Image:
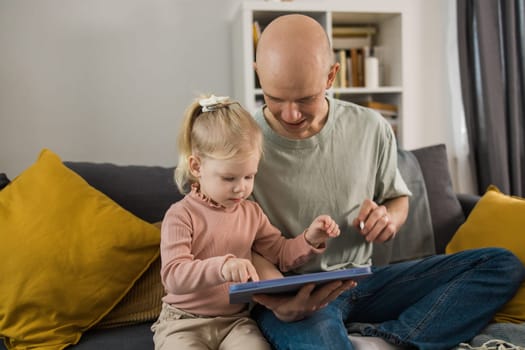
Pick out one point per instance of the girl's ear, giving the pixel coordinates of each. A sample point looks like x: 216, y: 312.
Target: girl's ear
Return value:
x: 195, y: 166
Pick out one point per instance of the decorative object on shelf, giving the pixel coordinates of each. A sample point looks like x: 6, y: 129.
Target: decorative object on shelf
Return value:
x: 371, y: 71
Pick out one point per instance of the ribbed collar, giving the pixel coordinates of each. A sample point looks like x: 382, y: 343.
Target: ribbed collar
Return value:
x: 207, y: 201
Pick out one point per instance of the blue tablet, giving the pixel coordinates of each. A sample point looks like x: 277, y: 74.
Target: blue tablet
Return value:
x: 242, y: 292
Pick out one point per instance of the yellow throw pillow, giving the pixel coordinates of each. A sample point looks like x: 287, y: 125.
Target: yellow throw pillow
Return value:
x: 69, y: 255
x: 142, y: 303
x: 497, y: 220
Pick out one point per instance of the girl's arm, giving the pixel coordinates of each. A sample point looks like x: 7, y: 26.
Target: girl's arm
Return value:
x: 181, y: 272
x: 265, y: 269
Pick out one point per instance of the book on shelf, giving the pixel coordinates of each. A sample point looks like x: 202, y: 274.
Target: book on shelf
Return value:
x: 256, y: 33
x: 357, y: 59
x: 342, y: 73
x: 348, y: 69
x: 387, y: 110
x: 351, y: 42
x: 353, y: 31
x: 256, y: 30
x: 379, y: 105
x: 348, y: 73
x: 353, y: 66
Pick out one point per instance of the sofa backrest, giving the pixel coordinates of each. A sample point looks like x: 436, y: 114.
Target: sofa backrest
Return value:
x: 146, y: 191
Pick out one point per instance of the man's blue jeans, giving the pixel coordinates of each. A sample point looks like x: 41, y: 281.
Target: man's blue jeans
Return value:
x: 432, y: 303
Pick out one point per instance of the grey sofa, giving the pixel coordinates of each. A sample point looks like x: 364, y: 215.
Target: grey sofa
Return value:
x: 148, y: 191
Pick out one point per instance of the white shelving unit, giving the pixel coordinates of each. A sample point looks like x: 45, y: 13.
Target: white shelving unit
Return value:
x: 388, y: 22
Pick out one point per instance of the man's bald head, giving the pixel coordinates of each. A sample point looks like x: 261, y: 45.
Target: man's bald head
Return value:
x: 293, y: 40
x: 295, y: 68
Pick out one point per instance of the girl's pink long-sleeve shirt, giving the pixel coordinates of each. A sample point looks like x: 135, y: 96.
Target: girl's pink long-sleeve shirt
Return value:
x: 197, y: 237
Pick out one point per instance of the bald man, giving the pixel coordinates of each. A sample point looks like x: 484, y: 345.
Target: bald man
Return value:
x: 323, y: 155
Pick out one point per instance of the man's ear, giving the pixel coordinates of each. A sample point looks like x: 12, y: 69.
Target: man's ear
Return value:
x: 194, y: 164
x: 255, y: 68
x: 331, y: 75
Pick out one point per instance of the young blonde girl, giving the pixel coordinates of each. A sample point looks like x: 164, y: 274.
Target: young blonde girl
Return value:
x: 207, y: 238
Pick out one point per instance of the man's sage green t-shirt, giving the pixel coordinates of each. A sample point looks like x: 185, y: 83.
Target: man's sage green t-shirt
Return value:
x: 353, y: 158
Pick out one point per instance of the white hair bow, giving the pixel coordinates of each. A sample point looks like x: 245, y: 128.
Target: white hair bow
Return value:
x: 212, y: 103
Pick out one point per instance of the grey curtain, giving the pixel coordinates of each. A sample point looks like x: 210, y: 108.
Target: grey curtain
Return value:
x: 491, y: 39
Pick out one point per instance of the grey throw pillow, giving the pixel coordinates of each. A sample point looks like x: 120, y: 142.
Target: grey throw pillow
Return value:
x: 445, y: 208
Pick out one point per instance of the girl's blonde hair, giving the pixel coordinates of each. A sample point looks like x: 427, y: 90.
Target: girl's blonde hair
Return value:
x: 226, y: 131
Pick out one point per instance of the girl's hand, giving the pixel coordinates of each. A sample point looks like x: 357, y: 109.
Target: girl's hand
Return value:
x: 238, y: 270
x: 322, y: 228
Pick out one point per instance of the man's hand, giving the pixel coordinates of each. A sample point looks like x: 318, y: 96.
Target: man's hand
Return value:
x: 305, y: 302
x: 380, y: 223
x: 238, y: 270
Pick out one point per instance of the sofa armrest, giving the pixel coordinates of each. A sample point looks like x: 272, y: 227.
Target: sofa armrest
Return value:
x: 467, y: 201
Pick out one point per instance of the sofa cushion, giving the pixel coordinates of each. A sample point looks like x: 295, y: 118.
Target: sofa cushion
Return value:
x: 146, y: 191
x: 69, y: 255
x: 496, y: 221
x: 445, y: 209
x: 132, y: 337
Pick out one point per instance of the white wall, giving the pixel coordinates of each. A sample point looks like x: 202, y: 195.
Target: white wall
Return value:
x: 108, y: 80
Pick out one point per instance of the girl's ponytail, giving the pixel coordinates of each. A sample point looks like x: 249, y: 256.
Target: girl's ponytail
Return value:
x: 183, y: 177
